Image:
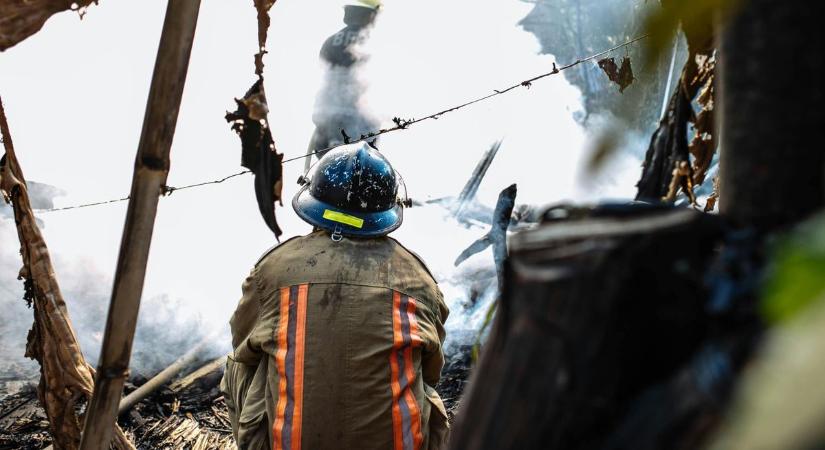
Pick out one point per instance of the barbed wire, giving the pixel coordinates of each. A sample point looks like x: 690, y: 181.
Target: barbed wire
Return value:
x: 400, y: 124
x: 84, y: 205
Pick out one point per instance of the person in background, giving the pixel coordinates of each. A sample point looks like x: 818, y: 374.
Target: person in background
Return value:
x: 338, y: 335
x: 339, y: 104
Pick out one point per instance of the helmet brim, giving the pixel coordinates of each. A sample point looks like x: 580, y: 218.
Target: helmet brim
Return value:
x: 328, y: 217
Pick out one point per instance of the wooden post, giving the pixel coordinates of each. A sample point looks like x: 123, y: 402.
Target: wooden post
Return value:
x: 151, y: 170
x: 772, y: 162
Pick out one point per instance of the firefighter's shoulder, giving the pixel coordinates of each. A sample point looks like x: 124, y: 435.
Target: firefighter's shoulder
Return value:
x: 272, y: 249
x: 416, y: 256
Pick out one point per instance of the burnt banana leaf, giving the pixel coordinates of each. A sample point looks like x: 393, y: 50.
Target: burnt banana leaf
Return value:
x: 258, y: 152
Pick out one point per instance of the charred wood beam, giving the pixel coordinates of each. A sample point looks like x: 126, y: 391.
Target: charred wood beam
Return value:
x: 151, y: 170
x: 667, y: 150
x: 205, y: 370
x: 164, y: 376
x: 159, y: 380
x: 497, y: 236
x: 468, y: 193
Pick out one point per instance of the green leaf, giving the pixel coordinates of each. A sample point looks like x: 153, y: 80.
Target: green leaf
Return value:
x: 488, y: 319
x: 797, y: 276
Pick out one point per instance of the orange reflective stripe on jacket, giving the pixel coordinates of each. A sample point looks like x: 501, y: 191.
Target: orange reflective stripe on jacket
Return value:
x: 406, y: 417
x: 289, y: 361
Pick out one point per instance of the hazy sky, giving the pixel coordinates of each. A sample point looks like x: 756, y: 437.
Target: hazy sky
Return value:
x: 75, y: 96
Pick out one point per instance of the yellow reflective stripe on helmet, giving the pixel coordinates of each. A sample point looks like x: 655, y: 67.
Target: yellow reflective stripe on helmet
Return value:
x: 340, y: 217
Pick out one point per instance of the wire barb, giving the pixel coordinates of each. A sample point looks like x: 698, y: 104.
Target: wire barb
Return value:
x: 400, y: 124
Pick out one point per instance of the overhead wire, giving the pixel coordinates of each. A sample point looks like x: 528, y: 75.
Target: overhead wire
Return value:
x: 400, y: 124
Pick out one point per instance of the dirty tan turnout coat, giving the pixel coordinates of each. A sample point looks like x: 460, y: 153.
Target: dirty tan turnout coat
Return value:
x: 337, y: 345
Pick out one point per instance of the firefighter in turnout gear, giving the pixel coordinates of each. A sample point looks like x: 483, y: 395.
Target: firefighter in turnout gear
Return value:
x: 338, y: 335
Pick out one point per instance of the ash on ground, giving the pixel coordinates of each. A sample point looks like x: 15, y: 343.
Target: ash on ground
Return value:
x: 194, y: 417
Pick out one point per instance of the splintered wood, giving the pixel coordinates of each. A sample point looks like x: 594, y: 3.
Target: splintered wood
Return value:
x: 190, y: 417
x: 184, y: 432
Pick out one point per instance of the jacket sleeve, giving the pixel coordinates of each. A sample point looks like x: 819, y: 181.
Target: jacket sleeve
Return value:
x: 432, y: 360
x: 245, y: 322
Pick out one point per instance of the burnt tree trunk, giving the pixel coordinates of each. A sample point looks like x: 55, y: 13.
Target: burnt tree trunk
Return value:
x: 773, y: 140
x: 600, y: 338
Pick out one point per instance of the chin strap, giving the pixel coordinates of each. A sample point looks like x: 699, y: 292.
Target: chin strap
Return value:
x: 336, y: 235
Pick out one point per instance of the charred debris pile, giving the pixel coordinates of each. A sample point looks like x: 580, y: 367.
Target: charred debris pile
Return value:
x: 186, y: 413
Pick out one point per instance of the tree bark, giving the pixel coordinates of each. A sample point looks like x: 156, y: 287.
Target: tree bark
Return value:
x: 598, y: 316
x: 772, y: 67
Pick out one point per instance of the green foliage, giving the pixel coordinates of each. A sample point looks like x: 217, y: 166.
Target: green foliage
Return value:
x: 488, y: 319
x: 797, y: 276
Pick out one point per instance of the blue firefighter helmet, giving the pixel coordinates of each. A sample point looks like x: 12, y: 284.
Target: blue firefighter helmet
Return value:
x: 352, y: 191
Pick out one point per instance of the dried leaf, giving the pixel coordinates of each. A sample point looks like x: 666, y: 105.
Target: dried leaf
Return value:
x: 66, y: 379
x: 669, y: 143
x: 263, y: 7
x: 625, y: 74
x: 610, y: 68
x: 704, y: 143
x: 714, y: 196
x: 622, y: 76
x: 258, y: 152
x: 20, y: 19
x: 680, y: 172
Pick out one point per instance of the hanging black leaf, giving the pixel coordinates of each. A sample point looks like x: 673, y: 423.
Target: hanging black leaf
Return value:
x: 622, y: 76
x: 258, y: 152
x: 625, y: 74
x: 610, y: 68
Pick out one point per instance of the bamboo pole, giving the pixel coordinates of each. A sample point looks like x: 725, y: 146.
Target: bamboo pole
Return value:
x: 165, y: 375
x: 151, y: 170
x: 204, y: 370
